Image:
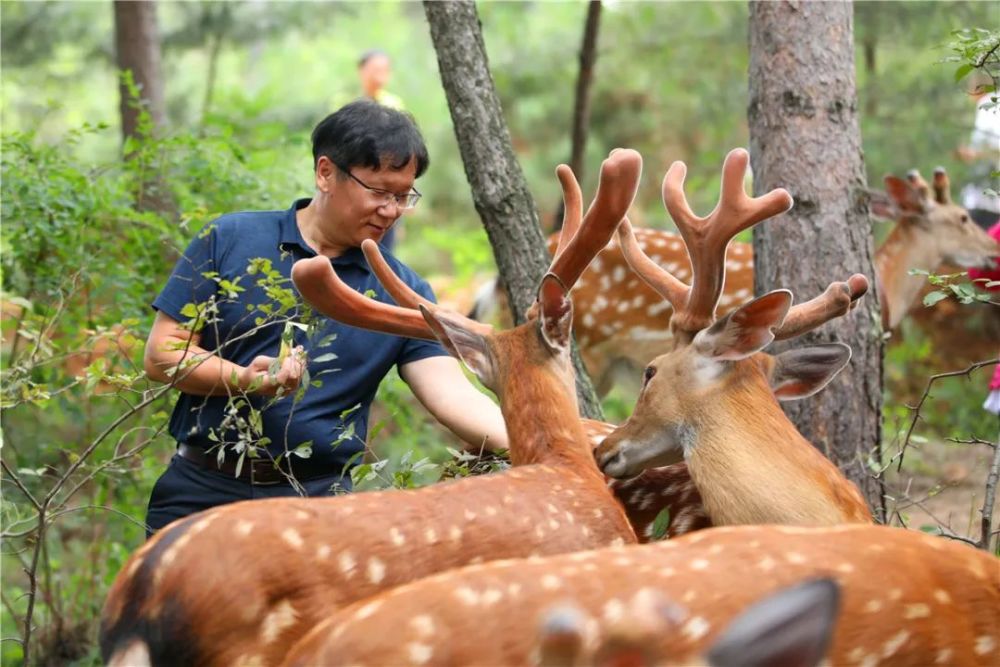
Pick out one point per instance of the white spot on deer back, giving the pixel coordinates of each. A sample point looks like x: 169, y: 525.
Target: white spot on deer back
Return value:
x: 943, y: 657
x: 419, y: 654
x: 430, y: 535
x: 985, y: 644
x: 323, y: 552
x: 467, y: 595
x: 292, y: 538
x: 396, y: 536
x: 894, y: 643
x: 376, y: 570
x: 367, y: 610
x: 696, y: 628
x: 274, y: 623
x: 699, y: 564
x: 942, y: 596
x: 918, y: 610
x: 551, y: 582
x: 243, y: 527
x: 873, y: 606
x: 423, y: 624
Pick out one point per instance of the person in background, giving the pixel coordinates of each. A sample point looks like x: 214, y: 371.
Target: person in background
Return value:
x: 374, y: 73
x: 983, y: 153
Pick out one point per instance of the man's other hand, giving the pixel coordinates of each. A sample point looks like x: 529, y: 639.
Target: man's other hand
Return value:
x: 265, y: 375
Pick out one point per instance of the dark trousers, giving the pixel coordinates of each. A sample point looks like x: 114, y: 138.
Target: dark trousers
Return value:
x: 186, y: 488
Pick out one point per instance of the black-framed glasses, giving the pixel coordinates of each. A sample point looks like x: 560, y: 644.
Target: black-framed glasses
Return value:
x: 384, y: 197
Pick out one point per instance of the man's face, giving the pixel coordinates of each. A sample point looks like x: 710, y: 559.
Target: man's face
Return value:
x: 357, y: 213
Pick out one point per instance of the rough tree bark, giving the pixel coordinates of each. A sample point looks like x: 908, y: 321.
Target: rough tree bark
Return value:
x: 499, y: 191
x: 804, y: 136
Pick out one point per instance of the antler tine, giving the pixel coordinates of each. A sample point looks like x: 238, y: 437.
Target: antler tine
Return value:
x: 654, y: 275
x: 834, y: 302
x: 616, y: 189
x: 707, y: 238
x: 917, y: 181
x: 942, y: 186
x: 572, y: 207
x: 319, y: 285
x: 402, y: 293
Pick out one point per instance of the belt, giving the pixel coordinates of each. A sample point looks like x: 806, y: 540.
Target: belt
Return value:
x: 260, y: 471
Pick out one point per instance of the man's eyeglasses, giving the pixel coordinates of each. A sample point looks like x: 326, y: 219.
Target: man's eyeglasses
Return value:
x: 384, y: 197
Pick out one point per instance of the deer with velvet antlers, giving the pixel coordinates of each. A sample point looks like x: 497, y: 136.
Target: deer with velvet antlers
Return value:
x: 711, y: 401
x: 238, y: 584
x: 621, y: 323
x: 908, y: 599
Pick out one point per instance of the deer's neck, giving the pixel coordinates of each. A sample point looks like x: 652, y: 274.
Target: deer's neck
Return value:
x: 752, y: 466
x: 543, y: 421
x: 904, y: 249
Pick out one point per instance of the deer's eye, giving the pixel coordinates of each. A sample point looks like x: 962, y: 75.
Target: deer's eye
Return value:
x: 965, y: 218
x: 647, y: 375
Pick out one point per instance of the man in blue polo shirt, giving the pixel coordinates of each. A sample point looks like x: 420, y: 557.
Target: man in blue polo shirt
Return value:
x: 245, y: 427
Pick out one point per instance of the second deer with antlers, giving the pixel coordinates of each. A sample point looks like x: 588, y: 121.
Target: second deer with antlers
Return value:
x: 711, y: 401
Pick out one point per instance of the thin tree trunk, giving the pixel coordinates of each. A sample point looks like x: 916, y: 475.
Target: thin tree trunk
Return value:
x: 581, y: 108
x: 804, y: 136
x: 499, y: 191
x: 137, y: 43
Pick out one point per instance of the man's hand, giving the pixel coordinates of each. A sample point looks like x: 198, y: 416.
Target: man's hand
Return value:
x: 265, y: 375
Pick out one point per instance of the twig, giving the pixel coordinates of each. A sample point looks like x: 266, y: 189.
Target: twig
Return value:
x: 17, y: 482
x: 972, y: 441
x: 927, y: 390
x: 991, y: 494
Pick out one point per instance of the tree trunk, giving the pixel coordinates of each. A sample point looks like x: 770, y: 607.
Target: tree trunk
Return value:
x: 137, y: 43
x: 581, y: 108
x: 804, y: 136
x: 499, y: 191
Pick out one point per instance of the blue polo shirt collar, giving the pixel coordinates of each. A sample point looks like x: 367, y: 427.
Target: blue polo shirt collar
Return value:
x: 290, y: 235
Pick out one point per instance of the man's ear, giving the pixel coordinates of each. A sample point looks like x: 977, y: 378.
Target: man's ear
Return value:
x: 467, y: 346
x: 792, y: 628
x: 745, y: 331
x: 556, y: 316
x: 325, y: 171
x: 804, y: 371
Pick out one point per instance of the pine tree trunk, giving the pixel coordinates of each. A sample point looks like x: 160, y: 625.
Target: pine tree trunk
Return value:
x: 804, y: 136
x: 499, y: 190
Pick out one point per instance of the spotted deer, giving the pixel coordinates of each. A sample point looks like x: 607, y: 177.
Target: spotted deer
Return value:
x: 621, y: 323
x: 907, y: 599
x: 711, y: 401
x: 239, y: 584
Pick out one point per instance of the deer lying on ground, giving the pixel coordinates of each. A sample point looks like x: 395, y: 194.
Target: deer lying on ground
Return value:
x: 621, y: 323
x: 908, y: 600
x: 240, y: 583
x: 710, y: 401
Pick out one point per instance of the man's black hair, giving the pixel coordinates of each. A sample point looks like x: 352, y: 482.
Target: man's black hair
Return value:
x: 366, y: 134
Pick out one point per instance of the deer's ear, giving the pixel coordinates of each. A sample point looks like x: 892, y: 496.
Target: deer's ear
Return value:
x: 745, y: 331
x: 906, y: 196
x: 804, y: 371
x: 792, y: 628
x: 556, y: 313
x: 469, y: 347
x: 882, y: 205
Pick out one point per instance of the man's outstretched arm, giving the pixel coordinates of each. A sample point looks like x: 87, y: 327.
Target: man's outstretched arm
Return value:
x: 441, y: 386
